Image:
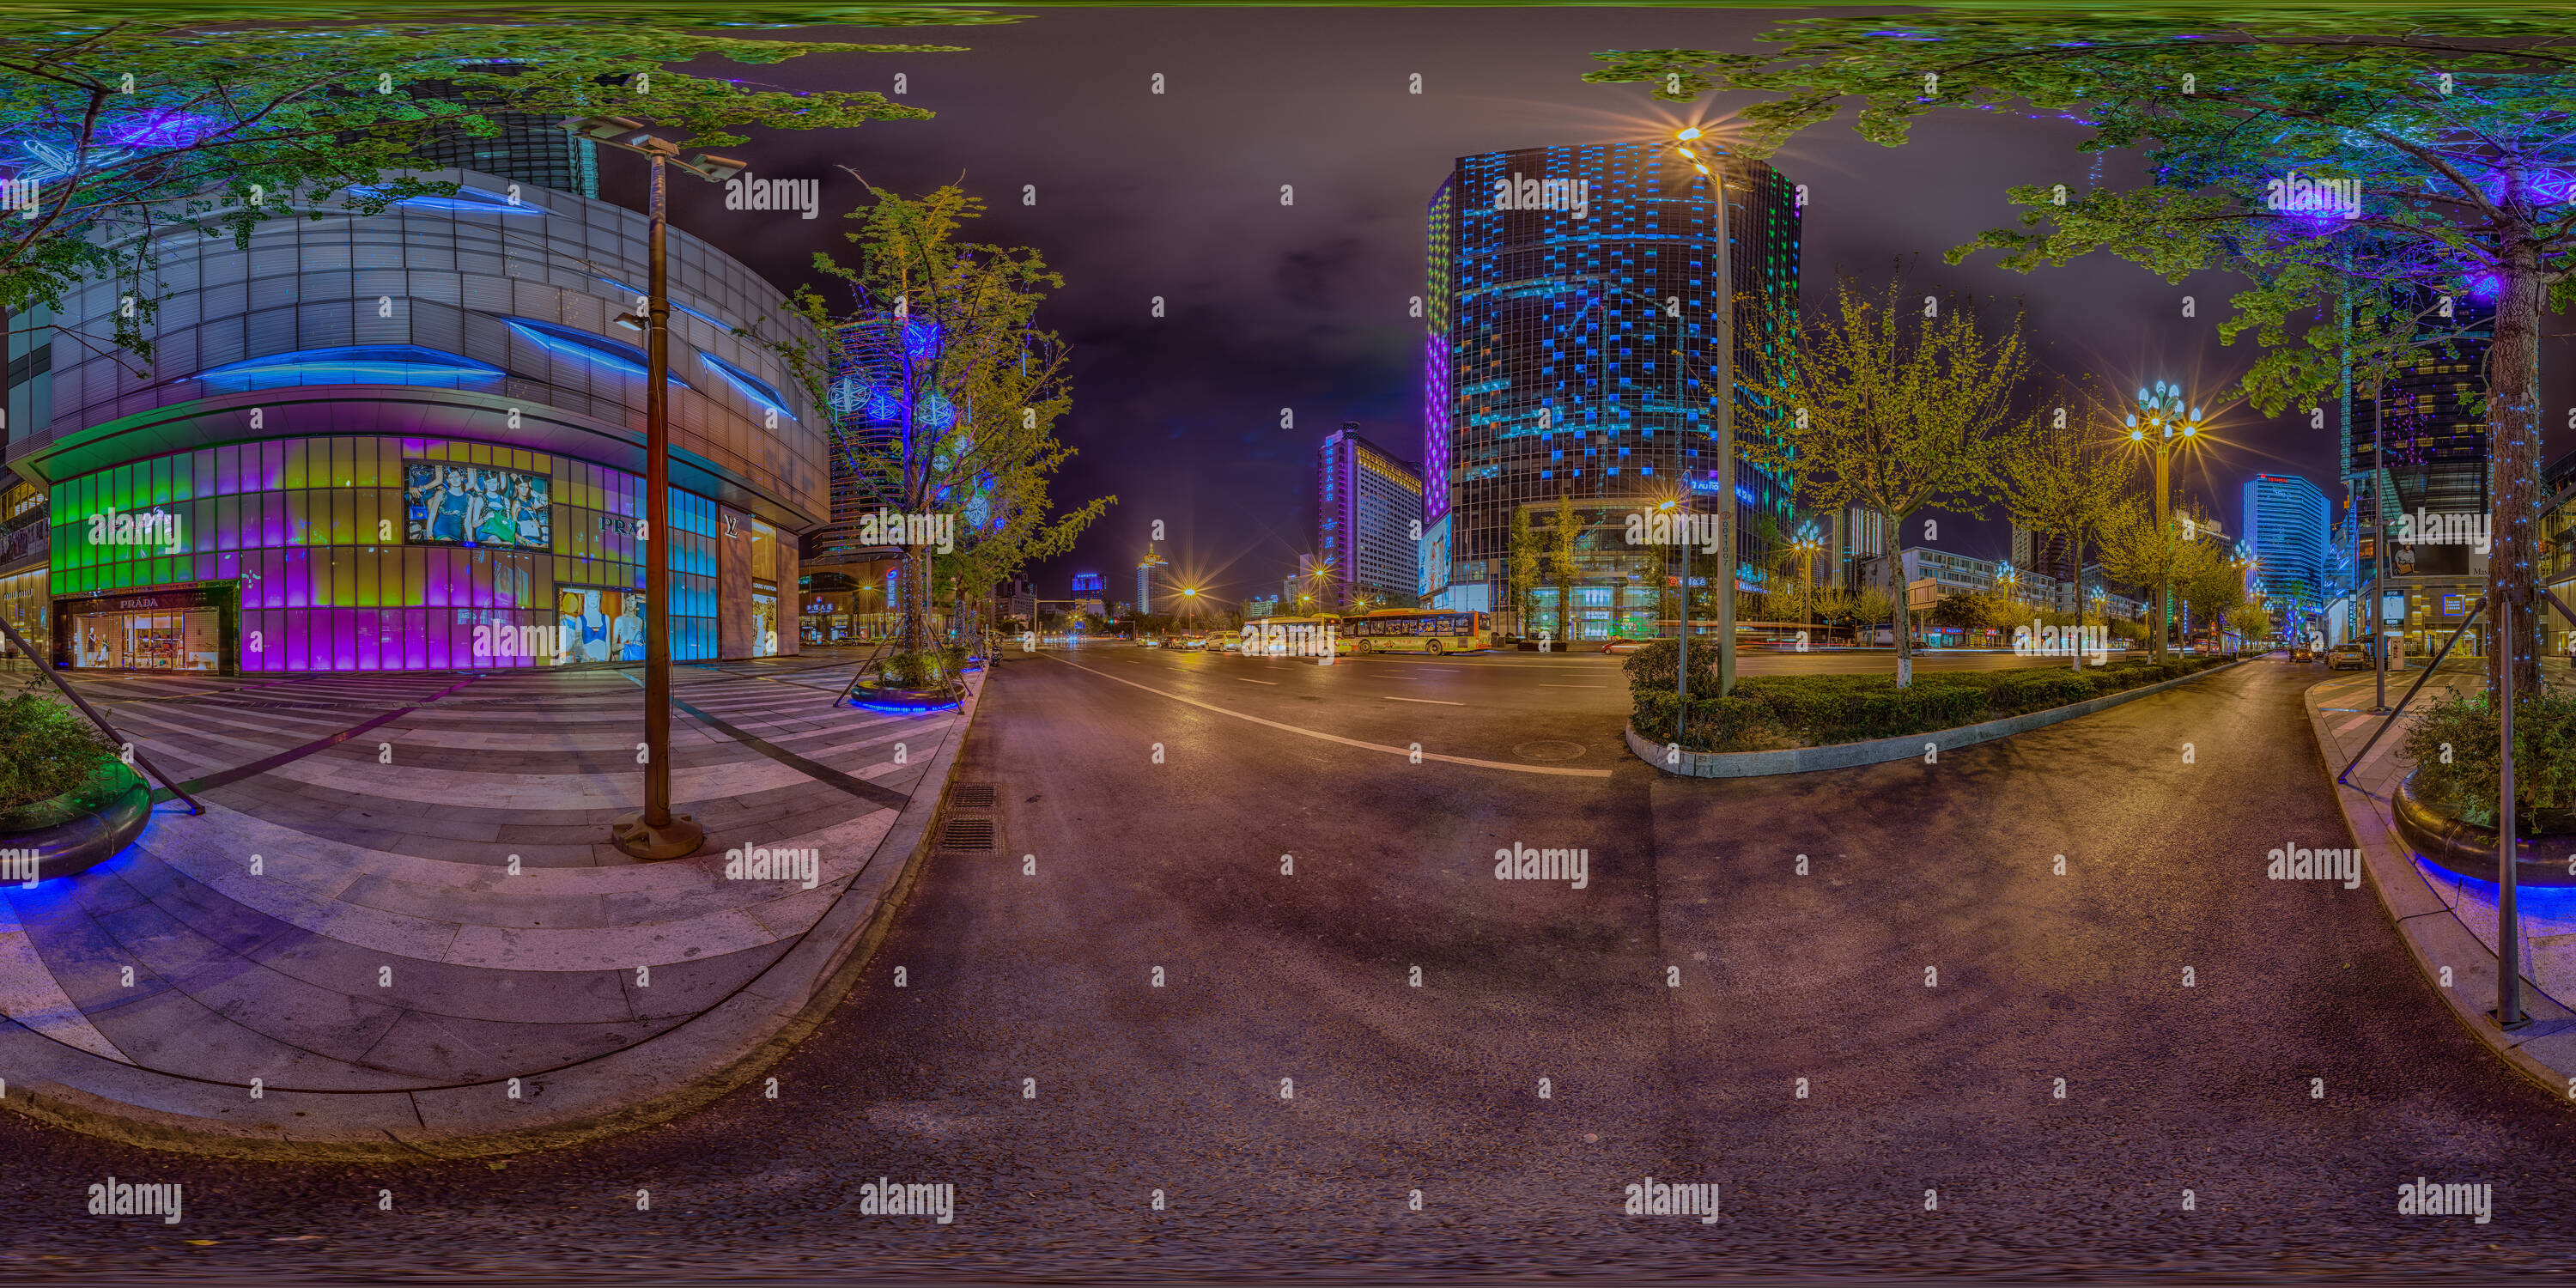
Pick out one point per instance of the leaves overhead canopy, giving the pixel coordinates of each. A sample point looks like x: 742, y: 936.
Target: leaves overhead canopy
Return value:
x: 129, y: 118
x: 2456, y: 133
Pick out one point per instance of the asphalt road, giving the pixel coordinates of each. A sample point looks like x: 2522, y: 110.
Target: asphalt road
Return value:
x: 1287, y: 1087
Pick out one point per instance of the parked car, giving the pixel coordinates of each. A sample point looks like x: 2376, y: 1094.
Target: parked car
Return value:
x: 2347, y: 655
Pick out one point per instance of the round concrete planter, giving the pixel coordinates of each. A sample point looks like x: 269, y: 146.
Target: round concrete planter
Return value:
x: 81, y: 828
x: 2465, y: 849
x: 902, y: 701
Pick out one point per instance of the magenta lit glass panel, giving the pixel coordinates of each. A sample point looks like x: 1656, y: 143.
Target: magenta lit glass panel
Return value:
x: 415, y: 629
x: 295, y: 577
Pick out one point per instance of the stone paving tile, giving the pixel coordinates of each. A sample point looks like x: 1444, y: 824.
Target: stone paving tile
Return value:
x: 366, y: 865
x: 175, y: 1032
x: 439, y: 988
x: 449, y: 1049
x: 682, y: 989
x: 87, y: 961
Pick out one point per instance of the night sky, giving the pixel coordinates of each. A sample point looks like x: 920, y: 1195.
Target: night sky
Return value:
x: 1177, y: 195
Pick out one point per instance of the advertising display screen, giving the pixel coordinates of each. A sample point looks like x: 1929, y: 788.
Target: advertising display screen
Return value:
x: 599, y: 625
x: 445, y: 503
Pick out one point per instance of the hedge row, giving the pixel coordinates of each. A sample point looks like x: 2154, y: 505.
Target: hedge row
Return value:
x: 1772, y: 712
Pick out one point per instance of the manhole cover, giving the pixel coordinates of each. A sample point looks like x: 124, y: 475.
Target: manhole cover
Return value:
x: 967, y: 834
x: 1548, y: 750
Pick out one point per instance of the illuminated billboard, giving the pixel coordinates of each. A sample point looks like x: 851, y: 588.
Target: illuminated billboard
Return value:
x: 598, y: 624
x: 446, y: 503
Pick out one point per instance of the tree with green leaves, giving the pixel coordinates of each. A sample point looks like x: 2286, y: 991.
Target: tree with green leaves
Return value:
x: 2141, y: 552
x: 2421, y: 167
x: 954, y: 395
x: 1563, y: 563
x: 1524, y: 569
x: 2064, y: 481
x: 1896, y: 406
x: 128, y: 119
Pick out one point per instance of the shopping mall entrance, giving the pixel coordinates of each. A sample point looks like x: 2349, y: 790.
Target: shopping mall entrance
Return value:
x: 181, y: 629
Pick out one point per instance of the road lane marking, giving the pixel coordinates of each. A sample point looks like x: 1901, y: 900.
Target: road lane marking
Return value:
x: 1406, y: 752
x: 1433, y: 701
x: 1574, y: 686
x: 1249, y: 680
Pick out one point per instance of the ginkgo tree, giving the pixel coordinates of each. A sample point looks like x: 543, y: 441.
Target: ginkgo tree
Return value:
x: 945, y: 395
x: 1898, y: 403
x: 2333, y: 158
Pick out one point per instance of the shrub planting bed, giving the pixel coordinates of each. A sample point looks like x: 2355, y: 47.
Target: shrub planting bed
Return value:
x: 1777, y: 712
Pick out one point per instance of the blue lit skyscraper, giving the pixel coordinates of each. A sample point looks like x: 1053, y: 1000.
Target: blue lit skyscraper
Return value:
x: 2288, y: 522
x: 1571, y: 350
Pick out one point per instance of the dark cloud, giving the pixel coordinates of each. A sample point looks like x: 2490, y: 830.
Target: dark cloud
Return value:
x: 1305, y: 306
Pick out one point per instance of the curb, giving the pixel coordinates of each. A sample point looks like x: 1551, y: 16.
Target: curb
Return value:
x: 720, y: 1050
x: 1879, y: 751
x: 2544, y: 1052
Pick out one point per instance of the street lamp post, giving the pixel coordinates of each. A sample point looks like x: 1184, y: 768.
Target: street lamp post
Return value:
x: 2166, y: 428
x: 1807, y: 544
x: 654, y: 832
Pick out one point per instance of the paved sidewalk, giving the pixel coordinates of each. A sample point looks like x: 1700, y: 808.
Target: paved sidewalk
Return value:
x: 417, y: 932
x: 2450, y: 924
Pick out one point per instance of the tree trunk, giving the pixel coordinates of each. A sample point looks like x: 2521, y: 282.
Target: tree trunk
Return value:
x: 2075, y: 551
x: 1904, y: 612
x: 2513, y: 443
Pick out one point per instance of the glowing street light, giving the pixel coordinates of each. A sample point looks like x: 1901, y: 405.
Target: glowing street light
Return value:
x: 2163, y: 424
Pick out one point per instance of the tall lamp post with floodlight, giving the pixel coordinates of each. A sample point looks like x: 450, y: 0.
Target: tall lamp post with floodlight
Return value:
x: 654, y: 832
x: 2160, y: 426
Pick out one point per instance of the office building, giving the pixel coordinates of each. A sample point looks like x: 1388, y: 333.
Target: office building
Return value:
x: 1153, y: 580
x: 1573, y: 321
x: 2288, y: 527
x: 1368, y: 506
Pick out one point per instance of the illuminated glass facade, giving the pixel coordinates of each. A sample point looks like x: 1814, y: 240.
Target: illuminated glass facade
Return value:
x: 243, y: 504
x: 1572, y: 331
x: 309, y: 531
x: 1367, y: 507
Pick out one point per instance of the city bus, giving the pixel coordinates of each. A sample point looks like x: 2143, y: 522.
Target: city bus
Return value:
x: 1414, y: 630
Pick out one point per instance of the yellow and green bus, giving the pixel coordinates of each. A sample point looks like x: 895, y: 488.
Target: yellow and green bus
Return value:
x: 1414, y: 630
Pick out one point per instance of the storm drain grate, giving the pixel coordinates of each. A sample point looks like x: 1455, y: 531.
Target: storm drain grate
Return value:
x: 968, y: 834
x: 971, y: 796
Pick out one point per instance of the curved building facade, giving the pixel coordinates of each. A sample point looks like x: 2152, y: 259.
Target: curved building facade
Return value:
x: 415, y: 440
